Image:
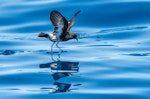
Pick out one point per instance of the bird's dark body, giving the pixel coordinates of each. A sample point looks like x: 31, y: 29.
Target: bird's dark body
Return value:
x: 68, y: 36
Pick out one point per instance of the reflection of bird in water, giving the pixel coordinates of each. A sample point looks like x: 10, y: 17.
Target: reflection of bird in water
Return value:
x: 62, y: 87
x: 61, y: 69
x: 62, y: 28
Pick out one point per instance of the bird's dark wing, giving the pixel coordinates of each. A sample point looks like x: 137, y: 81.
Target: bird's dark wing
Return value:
x: 59, y: 22
x: 71, y: 21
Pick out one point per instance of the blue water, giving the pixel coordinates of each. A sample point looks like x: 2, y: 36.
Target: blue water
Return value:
x: 111, y: 59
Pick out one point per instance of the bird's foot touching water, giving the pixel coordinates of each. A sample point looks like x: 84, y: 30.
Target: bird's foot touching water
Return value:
x: 56, y: 46
x: 55, y: 52
x: 60, y: 49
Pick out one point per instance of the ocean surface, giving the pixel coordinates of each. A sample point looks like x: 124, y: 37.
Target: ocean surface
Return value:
x: 111, y: 59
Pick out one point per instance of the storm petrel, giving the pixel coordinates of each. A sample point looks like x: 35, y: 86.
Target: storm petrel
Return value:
x: 61, y: 28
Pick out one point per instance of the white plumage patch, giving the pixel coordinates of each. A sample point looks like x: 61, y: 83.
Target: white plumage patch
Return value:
x: 52, y: 37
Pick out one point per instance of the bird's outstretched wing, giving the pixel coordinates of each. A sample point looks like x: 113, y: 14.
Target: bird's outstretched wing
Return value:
x: 71, y: 21
x: 59, y: 22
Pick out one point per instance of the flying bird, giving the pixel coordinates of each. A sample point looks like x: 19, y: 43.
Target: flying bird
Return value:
x: 61, y: 29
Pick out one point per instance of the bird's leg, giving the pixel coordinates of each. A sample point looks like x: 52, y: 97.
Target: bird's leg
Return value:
x: 52, y: 47
x: 59, y: 55
x: 52, y: 57
x: 58, y: 46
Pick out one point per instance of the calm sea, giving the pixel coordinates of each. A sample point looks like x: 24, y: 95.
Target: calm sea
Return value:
x: 111, y: 59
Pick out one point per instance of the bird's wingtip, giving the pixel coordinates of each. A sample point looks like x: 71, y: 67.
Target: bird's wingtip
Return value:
x: 77, y: 12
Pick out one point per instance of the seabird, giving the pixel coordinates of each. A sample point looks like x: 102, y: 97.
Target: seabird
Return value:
x: 61, y: 28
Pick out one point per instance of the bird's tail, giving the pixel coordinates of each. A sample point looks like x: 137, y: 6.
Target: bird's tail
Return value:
x: 43, y: 35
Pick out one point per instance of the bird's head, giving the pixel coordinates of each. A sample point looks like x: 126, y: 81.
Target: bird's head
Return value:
x: 74, y: 36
